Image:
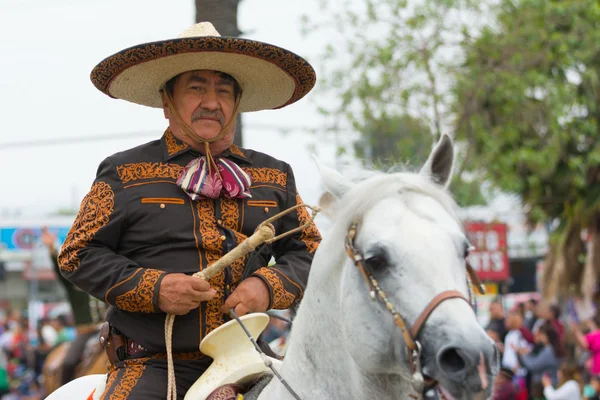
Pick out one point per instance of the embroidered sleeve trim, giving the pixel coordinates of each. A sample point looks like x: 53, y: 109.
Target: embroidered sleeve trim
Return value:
x: 267, y: 175
x: 280, y: 297
x: 94, y: 213
x: 147, y: 170
x: 141, y: 298
x: 310, y: 235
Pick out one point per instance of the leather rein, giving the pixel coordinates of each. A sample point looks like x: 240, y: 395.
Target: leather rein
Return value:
x: 413, y: 346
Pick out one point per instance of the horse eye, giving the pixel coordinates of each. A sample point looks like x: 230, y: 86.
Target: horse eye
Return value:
x: 375, y: 262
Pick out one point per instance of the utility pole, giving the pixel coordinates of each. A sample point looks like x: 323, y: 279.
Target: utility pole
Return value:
x: 223, y: 15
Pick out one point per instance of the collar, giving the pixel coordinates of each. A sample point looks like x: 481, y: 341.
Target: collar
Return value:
x: 173, y: 147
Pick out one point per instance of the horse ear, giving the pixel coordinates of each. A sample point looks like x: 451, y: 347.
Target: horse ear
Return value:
x: 334, y: 182
x: 440, y: 162
x: 327, y: 204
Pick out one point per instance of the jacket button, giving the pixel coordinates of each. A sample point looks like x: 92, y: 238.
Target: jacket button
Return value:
x: 266, y: 209
x: 223, y: 237
x: 220, y: 222
x: 162, y: 205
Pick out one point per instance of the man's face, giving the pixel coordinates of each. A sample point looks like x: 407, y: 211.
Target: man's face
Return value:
x: 205, y: 101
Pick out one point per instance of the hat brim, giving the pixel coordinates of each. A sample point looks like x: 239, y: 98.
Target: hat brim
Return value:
x: 270, y: 77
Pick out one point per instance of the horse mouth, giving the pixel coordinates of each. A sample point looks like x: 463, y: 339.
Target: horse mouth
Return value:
x: 433, y: 384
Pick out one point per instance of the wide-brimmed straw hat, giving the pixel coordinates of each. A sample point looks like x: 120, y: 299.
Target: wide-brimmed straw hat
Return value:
x: 270, y: 77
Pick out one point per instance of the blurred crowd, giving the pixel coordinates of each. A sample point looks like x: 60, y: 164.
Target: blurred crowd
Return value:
x: 23, y: 352
x: 543, y: 354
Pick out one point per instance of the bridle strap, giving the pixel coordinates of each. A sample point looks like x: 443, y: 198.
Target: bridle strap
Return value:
x: 436, y: 301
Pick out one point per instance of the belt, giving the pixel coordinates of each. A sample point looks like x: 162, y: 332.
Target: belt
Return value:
x: 118, y: 347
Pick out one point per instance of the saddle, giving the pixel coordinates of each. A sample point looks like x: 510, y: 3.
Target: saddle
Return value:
x: 236, y: 366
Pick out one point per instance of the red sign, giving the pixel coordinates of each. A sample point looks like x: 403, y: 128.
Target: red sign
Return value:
x: 490, y: 257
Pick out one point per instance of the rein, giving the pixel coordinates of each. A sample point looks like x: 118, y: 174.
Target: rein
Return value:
x: 413, y: 346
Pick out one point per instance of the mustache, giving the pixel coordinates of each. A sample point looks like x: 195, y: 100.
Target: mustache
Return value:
x: 201, y: 113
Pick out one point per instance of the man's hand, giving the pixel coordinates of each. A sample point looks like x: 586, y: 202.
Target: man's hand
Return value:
x: 252, y: 295
x: 180, y: 293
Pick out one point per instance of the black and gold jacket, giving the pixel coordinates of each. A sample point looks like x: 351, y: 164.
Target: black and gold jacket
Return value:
x: 136, y: 225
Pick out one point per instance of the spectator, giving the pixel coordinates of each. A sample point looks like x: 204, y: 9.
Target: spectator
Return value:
x: 4, y: 382
x: 589, y: 342
x: 497, y: 319
x: 592, y: 391
x: 544, y: 361
x: 504, y: 388
x: 569, y: 386
x: 530, y: 314
x: 514, y: 340
x: 556, y: 323
x: 495, y: 336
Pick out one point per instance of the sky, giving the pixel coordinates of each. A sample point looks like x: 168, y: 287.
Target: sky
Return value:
x: 47, y: 50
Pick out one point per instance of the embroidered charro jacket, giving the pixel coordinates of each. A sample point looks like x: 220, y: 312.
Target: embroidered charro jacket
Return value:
x: 136, y: 225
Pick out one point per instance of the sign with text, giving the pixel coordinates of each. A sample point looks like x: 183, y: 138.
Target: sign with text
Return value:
x: 26, y: 239
x: 490, y: 257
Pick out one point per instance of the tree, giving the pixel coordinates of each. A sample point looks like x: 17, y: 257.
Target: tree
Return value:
x: 528, y: 101
x: 223, y: 15
x: 389, y: 81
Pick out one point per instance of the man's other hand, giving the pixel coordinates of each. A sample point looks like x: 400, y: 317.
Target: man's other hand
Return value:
x: 252, y: 295
x: 180, y: 293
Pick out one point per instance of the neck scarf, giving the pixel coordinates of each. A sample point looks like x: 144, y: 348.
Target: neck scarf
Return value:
x: 202, y: 178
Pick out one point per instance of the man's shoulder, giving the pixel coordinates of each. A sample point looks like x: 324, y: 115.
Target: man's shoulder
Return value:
x: 150, y: 151
x: 264, y: 160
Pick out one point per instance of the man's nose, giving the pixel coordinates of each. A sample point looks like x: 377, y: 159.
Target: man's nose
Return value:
x: 210, y: 100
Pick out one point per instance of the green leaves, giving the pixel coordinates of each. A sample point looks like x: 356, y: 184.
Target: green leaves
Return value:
x: 528, y: 95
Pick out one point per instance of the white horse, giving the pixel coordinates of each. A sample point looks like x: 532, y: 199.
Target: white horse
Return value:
x: 407, y: 245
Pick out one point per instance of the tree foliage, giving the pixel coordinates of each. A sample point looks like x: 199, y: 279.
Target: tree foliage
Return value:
x: 528, y: 102
x: 389, y: 72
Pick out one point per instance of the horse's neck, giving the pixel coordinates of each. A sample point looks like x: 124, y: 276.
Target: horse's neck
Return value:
x: 316, y: 364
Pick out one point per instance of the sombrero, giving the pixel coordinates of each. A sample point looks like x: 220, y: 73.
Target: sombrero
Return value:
x: 270, y: 77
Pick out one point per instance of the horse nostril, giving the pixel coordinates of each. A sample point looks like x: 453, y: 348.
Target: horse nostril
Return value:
x: 451, y: 362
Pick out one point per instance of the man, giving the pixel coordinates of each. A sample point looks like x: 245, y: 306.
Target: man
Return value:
x: 86, y: 326
x: 514, y: 340
x: 497, y: 319
x: 162, y: 211
x: 530, y: 313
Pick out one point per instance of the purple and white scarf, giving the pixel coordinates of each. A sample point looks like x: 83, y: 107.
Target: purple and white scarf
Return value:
x: 199, y: 180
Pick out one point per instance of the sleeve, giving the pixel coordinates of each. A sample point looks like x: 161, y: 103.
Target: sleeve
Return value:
x: 592, y: 340
x: 538, y: 362
x: 566, y: 392
x: 293, y: 254
x: 89, y: 259
x: 527, y: 335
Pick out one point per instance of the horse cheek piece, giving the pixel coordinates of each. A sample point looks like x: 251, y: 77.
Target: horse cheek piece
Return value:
x: 413, y: 346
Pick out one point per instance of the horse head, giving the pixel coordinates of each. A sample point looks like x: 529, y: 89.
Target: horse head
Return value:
x: 407, y: 247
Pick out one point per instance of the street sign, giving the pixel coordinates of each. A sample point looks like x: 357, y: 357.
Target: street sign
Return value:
x: 490, y: 257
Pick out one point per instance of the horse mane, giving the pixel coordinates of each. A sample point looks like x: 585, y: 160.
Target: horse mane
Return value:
x: 360, y: 199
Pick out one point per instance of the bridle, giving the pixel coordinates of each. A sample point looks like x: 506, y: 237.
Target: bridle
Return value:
x: 413, y: 346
